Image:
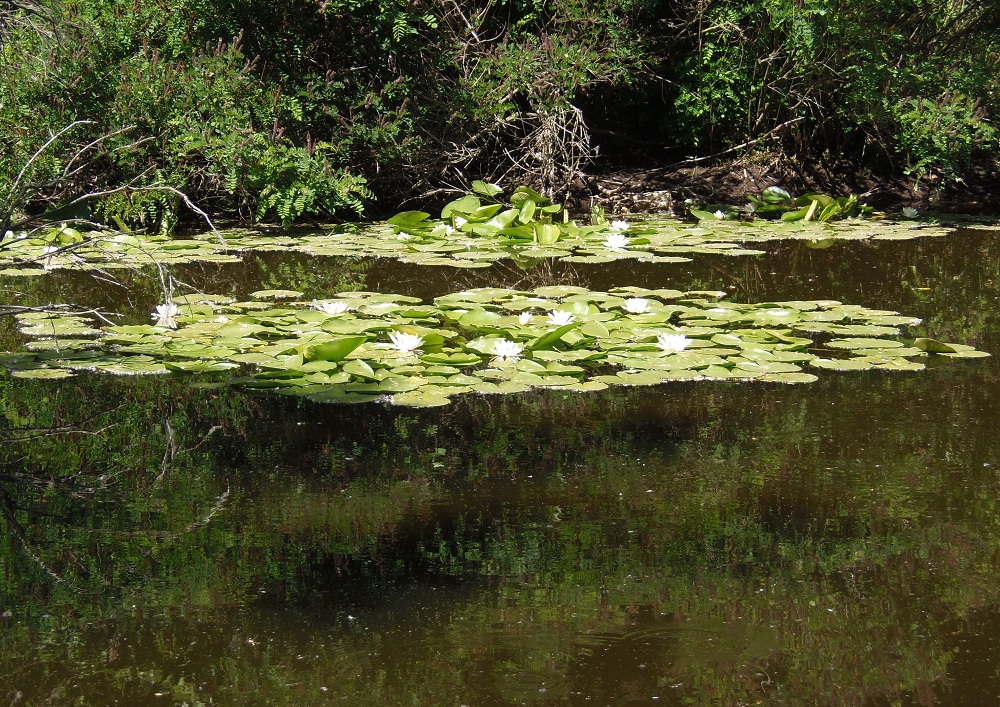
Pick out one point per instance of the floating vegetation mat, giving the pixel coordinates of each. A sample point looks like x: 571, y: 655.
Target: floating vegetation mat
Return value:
x: 363, y: 346
x: 434, y: 243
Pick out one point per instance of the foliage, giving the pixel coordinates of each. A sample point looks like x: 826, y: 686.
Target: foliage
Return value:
x: 899, y: 81
x: 776, y: 203
x: 363, y: 346
x: 313, y: 109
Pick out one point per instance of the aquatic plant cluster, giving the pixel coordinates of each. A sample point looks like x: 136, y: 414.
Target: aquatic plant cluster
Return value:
x: 428, y: 242
x: 365, y: 346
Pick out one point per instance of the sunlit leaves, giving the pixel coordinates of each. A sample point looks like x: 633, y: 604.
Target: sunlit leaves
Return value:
x: 491, y: 340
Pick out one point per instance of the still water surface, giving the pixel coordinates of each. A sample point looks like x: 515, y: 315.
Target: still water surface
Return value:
x: 693, y: 543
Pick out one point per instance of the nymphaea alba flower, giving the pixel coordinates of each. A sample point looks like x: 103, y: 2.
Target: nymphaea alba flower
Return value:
x: 524, y: 317
x: 720, y: 214
x: 165, y: 315
x: 636, y: 305
x: 616, y: 242
x: 405, y: 343
x: 507, y: 350
x: 910, y: 212
x: 332, y: 307
x: 560, y: 317
x: 619, y: 225
x: 672, y: 342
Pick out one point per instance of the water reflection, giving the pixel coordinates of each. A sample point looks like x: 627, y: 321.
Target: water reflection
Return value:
x: 694, y: 543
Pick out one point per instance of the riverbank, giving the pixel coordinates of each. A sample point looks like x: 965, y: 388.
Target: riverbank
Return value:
x: 664, y: 189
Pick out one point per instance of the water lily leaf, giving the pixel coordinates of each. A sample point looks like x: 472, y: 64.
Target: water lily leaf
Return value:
x: 500, y: 387
x: 408, y: 219
x: 419, y: 398
x: 573, y: 355
x: 276, y: 294
x: 932, y: 346
x: 762, y: 368
x: 200, y: 366
x: 526, y: 211
x: 23, y: 272
x: 842, y: 364
x: 479, y: 318
x: 898, y: 364
x: 132, y: 366
x: 857, y: 344
x: 332, y: 349
x: 529, y: 366
x: 547, y: 233
x: 964, y: 352
x: 460, y: 359
x: 488, y: 190
x: 557, y: 291
x: 337, y: 394
x: 789, y: 378
x: 586, y: 386
x: 548, y: 339
x: 357, y: 367
x: 236, y: 329
x: 42, y: 373
x: 464, y: 205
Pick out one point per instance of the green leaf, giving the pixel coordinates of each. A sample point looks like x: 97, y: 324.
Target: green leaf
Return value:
x: 547, y: 340
x: 546, y: 233
x: 462, y: 206
x: 484, y: 189
x: 333, y: 349
x: 527, y: 211
x: 776, y: 195
x: 932, y: 346
x: 408, y: 219
x: 357, y: 367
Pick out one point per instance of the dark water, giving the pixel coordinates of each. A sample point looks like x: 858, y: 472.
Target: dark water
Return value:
x: 709, y: 543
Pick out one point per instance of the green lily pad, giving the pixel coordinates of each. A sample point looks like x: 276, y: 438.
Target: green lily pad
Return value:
x: 420, y: 399
x: 276, y: 294
x: 932, y: 346
x: 842, y: 364
x: 42, y: 373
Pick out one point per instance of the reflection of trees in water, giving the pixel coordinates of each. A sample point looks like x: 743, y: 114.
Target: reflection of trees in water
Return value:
x: 800, y: 529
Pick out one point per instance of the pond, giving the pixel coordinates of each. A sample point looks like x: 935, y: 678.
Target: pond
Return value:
x: 171, y: 540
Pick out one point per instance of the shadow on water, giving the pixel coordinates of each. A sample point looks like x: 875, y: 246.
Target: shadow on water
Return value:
x: 707, y: 543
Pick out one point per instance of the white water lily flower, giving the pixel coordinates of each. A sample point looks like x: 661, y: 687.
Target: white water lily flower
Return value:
x: 720, y: 214
x: 405, y: 343
x: 636, y: 305
x: 560, y: 317
x: 50, y: 249
x: 443, y: 229
x: 616, y: 242
x: 524, y: 317
x: 619, y: 225
x: 507, y: 350
x: 332, y: 307
x: 165, y: 315
x: 672, y: 342
x: 910, y: 212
